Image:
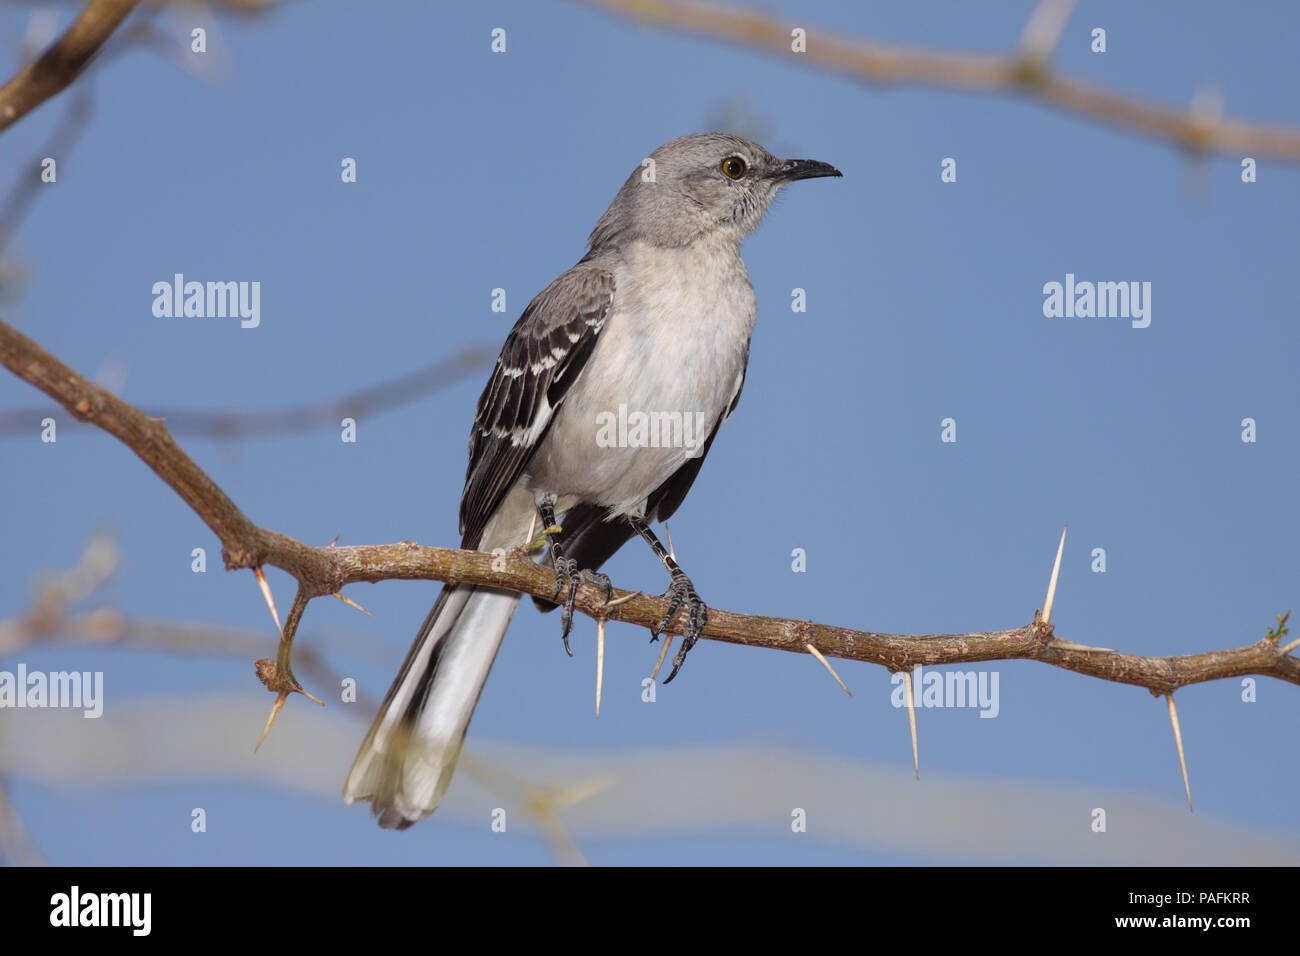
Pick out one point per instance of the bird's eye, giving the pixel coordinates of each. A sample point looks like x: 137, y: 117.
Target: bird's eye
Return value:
x: 733, y: 167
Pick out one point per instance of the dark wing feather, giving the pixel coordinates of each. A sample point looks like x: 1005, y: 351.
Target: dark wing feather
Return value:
x: 544, y: 353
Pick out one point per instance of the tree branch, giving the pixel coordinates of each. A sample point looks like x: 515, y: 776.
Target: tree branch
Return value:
x: 326, y: 570
x: 278, y: 422
x: 1025, y: 71
x: 51, y: 72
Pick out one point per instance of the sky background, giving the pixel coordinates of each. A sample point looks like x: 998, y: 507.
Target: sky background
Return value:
x: 924, y: 301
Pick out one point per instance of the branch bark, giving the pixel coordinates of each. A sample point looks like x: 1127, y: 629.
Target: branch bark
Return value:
x: 326, y: 570
x: 52, y: 72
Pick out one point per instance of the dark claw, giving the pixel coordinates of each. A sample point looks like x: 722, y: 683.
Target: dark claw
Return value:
x: 567, y: 569
x: 682, y: 592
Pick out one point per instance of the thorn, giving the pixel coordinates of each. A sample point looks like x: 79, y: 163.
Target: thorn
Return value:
x: 668, y: 533
x: 600, y: 661
x: 1292, y: 646
x: 1074, y: 646
x: 270, y: 601
x: 1043, y: 30
x: 335, y: 541
x: 663, y: 652
x: 532, y: 525
x: 1056, y: 573
x: 624, y: 599
x: 280, y: 698
x: 1178, y: 739
x: 827, y: 664
x: 911, y: 720
x: 351, y: 603
x: 275, y: 712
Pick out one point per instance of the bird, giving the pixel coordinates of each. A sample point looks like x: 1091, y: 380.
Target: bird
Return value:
x: 654, y: 320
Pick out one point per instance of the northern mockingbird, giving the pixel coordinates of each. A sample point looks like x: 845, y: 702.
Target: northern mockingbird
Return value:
x: 603, y: 403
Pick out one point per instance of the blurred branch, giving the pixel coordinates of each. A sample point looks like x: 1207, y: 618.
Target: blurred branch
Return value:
x: 326, y: 570
x: 277, y: 423
x: 19, y: 200
x: 1026, y: 72
x: 16, y: 846
x: 48, y: 623
x: 59, y: 65
x: 243, y: 7
x: 636, y: 792
x: 110, y: 627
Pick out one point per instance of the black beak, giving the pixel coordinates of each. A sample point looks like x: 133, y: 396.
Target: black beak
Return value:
x: 793, y: 169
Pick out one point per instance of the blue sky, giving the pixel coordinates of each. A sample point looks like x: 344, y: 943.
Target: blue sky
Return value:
x: 479, y: 171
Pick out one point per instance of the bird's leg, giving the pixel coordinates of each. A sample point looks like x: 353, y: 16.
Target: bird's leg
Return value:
x: 568, y: 573
x: 680, y: 592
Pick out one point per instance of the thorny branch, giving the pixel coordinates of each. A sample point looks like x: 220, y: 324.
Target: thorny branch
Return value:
x: 326, y: 570
x: 321, y: 571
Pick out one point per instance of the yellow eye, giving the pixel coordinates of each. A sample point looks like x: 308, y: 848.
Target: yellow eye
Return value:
x: 733, y: 167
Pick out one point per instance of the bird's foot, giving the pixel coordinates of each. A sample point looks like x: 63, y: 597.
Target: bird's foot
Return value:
x: 681, y: 592
x: 568, y: 575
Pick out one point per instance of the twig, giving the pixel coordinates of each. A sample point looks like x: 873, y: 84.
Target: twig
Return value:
x: 51, y: 72
x: 1025, y: 72
x: 276, y: 423
x: 20, y: 199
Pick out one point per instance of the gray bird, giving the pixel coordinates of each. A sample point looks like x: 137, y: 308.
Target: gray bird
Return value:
x: 652, y: 325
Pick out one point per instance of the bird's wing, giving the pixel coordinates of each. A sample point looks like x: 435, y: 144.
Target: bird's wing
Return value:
x: 541, y: 358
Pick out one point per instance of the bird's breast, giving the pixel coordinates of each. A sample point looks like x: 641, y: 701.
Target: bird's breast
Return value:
x: 664, y: 371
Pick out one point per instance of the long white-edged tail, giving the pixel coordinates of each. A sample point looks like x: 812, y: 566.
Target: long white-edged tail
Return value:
x: 407, y: 759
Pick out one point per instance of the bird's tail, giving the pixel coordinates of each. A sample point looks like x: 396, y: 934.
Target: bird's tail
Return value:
x: 406, y: 761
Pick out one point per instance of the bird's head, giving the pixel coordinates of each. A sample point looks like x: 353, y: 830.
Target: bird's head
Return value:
x: 697, y: 185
